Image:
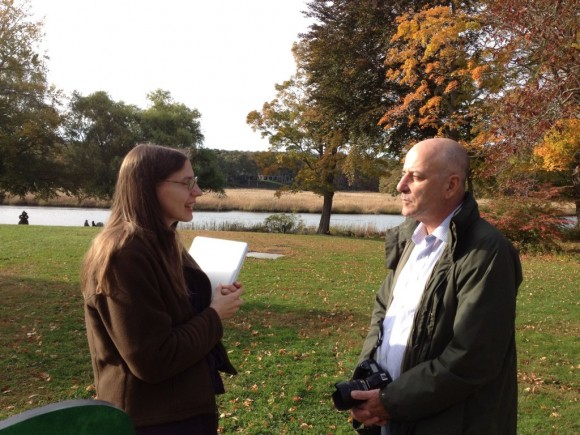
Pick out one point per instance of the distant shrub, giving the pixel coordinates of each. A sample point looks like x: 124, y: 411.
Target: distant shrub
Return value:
x: 532, y: 225
x: 360, y: 231
x: 283, y: 223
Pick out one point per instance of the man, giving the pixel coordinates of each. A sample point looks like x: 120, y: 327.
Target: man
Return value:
x: 447, y: 310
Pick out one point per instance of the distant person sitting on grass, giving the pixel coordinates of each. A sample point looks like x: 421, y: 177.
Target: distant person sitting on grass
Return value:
x: 154, y: 331
x: 23, y: 218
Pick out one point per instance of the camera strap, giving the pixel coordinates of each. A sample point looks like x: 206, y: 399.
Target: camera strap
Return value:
x: 379, y: 339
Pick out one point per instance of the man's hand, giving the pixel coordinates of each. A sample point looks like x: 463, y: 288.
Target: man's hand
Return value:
x: 371, y: 412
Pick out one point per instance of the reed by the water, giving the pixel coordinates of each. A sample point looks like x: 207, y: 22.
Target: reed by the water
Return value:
x: 264, y: 200
x: 255, y: 200
x: 261, y: 200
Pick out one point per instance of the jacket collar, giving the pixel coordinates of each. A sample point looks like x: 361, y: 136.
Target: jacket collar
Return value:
x: 397, y: 238
x: 463, y: 219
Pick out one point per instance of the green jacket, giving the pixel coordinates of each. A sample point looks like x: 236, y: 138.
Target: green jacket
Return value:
x: 459, y: 370
x: 148, y: 347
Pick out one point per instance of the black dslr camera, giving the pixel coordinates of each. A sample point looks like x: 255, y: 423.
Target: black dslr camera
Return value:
x: 367, y: 376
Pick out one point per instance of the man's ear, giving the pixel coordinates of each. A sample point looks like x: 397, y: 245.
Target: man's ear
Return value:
x: 453, y: 185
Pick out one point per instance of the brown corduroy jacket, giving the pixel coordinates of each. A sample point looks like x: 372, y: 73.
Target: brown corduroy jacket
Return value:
x: 148, y: 347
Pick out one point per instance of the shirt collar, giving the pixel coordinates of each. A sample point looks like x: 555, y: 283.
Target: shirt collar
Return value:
x: 441, y: 232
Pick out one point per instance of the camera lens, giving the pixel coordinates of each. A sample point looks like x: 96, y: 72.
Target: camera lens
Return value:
x: 341, y: 396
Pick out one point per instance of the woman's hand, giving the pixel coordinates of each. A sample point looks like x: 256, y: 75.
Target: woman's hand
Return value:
x: 227, y: 300
x: 227, y: 289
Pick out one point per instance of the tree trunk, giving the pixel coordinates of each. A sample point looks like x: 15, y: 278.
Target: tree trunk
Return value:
x: 324, y: 225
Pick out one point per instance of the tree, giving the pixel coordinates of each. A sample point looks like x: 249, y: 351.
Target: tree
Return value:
x: 439, y: 56
x: 534, y: 48
x: 29, y: 144
x: 296, y: 128
x: 325, y: 117
x: 206, y: 166
x: 271, y: 165
x: 99, y: 133
x: 536, y: 52
x: 435, y: 58
x: 169, y: 123
x: 560, y: 152
x: 238, y: 168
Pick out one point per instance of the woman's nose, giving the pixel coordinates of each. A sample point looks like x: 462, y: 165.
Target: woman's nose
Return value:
x: 196, y: 191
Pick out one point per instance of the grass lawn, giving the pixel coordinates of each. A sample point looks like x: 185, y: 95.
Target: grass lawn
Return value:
x: 298, y: 333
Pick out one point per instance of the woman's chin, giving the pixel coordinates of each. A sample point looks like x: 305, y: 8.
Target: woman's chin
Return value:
x: 187, y: 217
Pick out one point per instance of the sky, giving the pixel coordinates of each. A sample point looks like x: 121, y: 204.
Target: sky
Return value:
x: 221, y: 57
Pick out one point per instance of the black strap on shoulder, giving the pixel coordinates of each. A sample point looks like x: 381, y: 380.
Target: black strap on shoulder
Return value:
x: 379, y: 340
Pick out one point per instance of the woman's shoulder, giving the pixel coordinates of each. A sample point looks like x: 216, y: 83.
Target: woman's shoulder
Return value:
x: 136, y: 249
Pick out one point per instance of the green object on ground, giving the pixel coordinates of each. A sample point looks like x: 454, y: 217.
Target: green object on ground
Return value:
x: 72, y: 417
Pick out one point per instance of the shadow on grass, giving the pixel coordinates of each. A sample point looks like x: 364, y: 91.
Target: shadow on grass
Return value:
x: 45, y: 358
x: 283, y: 329
x: 43, y: 350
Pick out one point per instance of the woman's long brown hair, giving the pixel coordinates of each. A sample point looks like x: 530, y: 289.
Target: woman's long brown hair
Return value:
x: 135, y: 212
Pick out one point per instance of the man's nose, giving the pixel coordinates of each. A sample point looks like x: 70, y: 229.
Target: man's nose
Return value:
x: 402, y: 185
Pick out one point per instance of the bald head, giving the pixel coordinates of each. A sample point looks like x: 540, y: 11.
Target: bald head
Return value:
x: 433, y: 180
x: 447, y: 155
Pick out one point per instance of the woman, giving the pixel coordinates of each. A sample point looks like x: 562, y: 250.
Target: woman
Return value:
x: 153, y: 330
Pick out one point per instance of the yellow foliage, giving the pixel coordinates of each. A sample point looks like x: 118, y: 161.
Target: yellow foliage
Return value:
x: 429, y: 55
x: 477, y: 73
x: 432, y: 105
x: 431, y: 66
x: 561, y: 145
x: 451, y: 86
x: 439, y: 80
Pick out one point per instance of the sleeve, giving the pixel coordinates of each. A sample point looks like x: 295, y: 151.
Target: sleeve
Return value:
x: 137, y: 319
x: 482, y: 335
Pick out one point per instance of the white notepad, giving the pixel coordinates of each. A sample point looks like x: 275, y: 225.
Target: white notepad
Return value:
x: 220, y: 259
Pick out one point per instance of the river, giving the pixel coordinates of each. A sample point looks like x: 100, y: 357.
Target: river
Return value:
x: 202, y: 220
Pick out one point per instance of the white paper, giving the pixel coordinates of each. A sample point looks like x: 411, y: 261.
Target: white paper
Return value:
x: 220, y: 259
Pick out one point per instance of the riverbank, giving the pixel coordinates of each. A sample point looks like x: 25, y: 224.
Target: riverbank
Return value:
x: 264, y: 200
x: 252, y: 200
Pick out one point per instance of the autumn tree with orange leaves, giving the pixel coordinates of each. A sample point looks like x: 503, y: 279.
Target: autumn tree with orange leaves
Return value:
x: 434, y: 56
x: 502, y: 77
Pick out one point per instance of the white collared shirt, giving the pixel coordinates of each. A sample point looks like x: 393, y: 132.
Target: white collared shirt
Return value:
x: 407, y: 293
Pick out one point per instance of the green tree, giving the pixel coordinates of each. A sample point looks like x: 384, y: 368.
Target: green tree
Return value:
x: 99, y: 133
x: 238, y: 168
x: 169, y: 123
x: 295, y: 127
x: 29, y: 145
x: 205, y: 163
x: 325, y: 117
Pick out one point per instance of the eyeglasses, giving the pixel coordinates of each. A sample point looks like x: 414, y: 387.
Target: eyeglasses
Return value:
x: 190, y: 183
